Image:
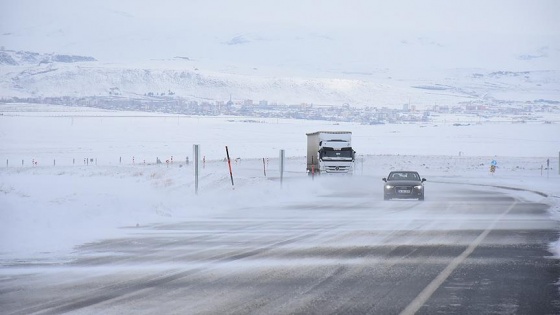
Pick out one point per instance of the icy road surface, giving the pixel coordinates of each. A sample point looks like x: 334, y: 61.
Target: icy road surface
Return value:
x: 465, y: 250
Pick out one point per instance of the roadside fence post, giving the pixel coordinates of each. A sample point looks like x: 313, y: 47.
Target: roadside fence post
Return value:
x: 195, y: 153
x: 282, y: 155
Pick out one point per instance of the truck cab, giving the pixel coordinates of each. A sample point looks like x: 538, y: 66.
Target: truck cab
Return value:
x: 330, y: 152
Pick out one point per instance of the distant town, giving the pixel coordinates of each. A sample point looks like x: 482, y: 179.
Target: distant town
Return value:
x: 370, y: 115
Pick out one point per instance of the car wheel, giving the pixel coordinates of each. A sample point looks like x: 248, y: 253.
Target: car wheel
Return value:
x: 386, y: 198
x: 421, y: 198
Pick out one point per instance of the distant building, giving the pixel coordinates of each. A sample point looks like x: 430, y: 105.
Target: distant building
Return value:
x: 229, y: 103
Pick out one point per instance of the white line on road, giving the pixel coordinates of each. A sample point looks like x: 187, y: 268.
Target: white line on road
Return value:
x: 421, y: 299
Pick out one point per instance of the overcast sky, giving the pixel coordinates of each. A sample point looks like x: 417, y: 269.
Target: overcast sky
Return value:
x: 341, y: 35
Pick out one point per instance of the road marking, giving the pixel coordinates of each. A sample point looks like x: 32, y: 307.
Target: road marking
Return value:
x: 421, y: 299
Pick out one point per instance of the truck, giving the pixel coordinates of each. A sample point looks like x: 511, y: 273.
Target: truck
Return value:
x: 330, y: 152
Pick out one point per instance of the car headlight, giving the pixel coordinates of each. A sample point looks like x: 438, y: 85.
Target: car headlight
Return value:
x: 419, y: 187
x: 388, y: 186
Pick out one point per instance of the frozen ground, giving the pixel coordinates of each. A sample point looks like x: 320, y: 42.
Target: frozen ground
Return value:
x: 86, y: 186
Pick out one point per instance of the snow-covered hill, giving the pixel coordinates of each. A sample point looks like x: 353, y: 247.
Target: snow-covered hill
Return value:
x: 21, y: 58
x: 30, y: 74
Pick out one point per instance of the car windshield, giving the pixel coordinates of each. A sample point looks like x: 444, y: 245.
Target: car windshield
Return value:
x: 404, y: 176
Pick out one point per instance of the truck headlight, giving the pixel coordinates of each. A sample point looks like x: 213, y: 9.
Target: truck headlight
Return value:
x: 389, y: 186
x: 419, y: 187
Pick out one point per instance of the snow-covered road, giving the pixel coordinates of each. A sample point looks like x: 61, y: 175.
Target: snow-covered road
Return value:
x: 336, y: 247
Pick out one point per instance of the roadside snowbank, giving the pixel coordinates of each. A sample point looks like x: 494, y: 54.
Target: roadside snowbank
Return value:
x: 47, y: 211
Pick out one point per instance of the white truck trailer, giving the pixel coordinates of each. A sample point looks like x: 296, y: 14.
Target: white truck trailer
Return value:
x: 330, y: 152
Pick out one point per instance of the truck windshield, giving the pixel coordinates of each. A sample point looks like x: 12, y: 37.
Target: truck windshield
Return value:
x: 333, y: 154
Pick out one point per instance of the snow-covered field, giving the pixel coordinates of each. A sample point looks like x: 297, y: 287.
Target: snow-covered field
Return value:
x: 74, y: 175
